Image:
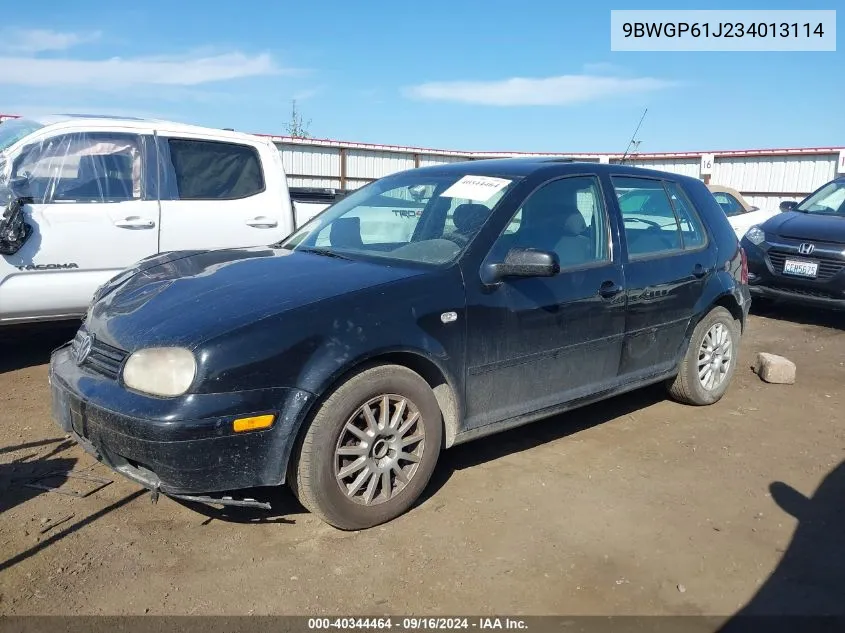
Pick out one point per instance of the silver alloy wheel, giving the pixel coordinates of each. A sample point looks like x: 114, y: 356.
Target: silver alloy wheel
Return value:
x: 715, y: 356
x: 379, y: 449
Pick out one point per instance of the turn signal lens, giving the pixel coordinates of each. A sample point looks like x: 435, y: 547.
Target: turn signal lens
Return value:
x: 253, y: 424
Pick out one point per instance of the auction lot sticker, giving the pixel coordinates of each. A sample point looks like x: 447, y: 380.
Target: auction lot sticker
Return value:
x: 478, y: 188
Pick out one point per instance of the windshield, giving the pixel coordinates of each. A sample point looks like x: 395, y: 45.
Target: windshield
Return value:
x: 415, y: 216
x: 826, y: 201
x: 14, y: 130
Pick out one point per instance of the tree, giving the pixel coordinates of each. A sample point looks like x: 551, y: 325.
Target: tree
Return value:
x: 296, y: 127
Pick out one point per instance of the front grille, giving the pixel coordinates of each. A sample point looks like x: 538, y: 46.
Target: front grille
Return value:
x: 103, y: 359
x: 828, y: 267
x: 808, y: 292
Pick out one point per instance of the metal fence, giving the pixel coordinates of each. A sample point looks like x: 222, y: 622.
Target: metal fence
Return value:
x: 764, y: 177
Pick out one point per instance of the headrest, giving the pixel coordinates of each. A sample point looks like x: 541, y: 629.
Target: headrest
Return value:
x: 556, y: 213
x: 573, y: 222
x: 468, y: 218
x: 120, y: 163
x: 93, y: 166
x: 346, y: 232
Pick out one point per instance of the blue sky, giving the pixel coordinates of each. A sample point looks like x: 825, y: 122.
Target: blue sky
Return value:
x: 445, y: 74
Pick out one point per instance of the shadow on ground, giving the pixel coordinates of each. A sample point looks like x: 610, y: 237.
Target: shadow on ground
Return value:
x: 23, y: 346
x: 794, y: 313
x: 809, y: 580
x: 524, y: 438
x: 17, y: 476
x: 282, y: 502
x: 529, y: 436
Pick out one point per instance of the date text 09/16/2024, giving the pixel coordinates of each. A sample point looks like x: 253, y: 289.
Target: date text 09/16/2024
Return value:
x: 416, y: 623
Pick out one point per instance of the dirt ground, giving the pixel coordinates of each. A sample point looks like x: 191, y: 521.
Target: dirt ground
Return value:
x: 633, y: 506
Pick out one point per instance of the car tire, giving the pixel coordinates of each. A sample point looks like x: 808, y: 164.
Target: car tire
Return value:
x: 347, y: 460
x: 710, y: 360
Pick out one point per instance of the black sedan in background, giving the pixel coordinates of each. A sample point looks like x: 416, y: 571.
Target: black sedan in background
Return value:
x: 799, y: 255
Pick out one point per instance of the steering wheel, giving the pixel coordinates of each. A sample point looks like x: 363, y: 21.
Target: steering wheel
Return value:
x: 651, y: 223
x: 457, y: 238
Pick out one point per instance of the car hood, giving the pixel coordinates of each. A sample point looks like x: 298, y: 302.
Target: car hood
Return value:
x: 807, y: 226
x: 184, y: 298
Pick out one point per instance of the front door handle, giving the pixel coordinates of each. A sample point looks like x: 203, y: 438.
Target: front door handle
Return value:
x: 135, y: 222
x: 609, y: 289
x: 699, y: 271
x: 262, y: 222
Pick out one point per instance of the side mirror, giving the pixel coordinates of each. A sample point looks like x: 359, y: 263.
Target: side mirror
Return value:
x: 788, y: 205
x: 14, y: 230
x: 753, y: 209
x: 524, y: 262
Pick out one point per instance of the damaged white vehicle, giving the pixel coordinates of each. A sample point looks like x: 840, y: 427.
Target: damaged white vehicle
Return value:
x: 83, y: 197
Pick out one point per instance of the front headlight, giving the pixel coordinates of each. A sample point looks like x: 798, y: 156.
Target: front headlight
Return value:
x: 160, y: 371
x: 756, y: 235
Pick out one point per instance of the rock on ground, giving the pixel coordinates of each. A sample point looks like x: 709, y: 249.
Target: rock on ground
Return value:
x: 775, y: 369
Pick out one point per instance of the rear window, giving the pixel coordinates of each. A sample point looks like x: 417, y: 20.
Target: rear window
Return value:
x: 212, y: 170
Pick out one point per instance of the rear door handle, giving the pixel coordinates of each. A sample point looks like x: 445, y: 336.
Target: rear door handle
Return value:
x: 134, y: 222
x: 609, y: 289
x: 262, y: 222
x: 699, y: 271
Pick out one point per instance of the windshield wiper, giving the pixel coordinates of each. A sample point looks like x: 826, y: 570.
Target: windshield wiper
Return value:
x: 322, y: 251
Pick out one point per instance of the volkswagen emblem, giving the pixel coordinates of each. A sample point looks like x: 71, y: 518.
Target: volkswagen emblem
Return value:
x: 82, y: 348
x: 806, y: 248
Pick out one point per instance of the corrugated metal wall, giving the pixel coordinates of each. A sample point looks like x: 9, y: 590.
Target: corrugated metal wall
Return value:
x: 317, y: 167
x: 685, y: 167
x: 362, y: 166
x: 765, y: 181
x: 775, y: 174
x: 427, y: 160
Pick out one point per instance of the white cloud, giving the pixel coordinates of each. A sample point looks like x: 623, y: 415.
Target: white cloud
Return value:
x: 543, y: 91
x: 117, y: 72
x: 601, y: 68
x: 31, y: 41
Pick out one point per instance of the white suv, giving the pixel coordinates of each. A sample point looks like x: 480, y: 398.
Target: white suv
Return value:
x: 101, y: 193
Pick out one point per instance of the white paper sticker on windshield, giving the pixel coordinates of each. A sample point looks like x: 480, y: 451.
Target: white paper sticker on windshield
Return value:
x: 478, y: 188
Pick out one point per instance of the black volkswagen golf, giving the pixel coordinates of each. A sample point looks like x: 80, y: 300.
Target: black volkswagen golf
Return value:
x: 799, y: 255
x: 428, y: 308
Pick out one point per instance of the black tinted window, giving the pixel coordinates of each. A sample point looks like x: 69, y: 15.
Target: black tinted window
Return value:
x: 565, y: 216
x: 729, y: 204
x: 692, y: 231
x: 211, y: 170
x: 650, y: 223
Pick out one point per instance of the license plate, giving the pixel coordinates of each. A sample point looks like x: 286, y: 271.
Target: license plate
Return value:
x: 804, y: 269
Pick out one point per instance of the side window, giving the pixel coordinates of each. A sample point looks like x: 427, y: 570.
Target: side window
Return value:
x: 83, y: 167
x: 213, y: 170
x: 729, y: 204
x: 692, y: 230
x: 650, y: 223
x: 565, y: 216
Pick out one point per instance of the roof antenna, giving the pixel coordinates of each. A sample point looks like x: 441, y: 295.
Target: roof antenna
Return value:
x: 633, y: 141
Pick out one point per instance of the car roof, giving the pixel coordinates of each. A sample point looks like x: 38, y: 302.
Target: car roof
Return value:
x: 525, y: 166
x: 94, y: 121
x: 736, y: 194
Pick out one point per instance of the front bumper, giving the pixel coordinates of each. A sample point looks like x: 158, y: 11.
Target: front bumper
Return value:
x: 179, y: 445
x: 767, y: 280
